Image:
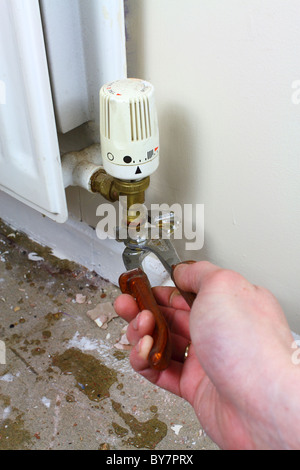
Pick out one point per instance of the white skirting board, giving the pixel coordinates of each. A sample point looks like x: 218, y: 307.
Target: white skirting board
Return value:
x: 75, y: 241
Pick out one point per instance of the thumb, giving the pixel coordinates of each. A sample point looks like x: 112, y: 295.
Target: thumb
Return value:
x: 189, y: 277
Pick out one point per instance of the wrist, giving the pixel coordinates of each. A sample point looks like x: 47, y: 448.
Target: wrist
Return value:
x: 286, y: 420
x: 273, y: 407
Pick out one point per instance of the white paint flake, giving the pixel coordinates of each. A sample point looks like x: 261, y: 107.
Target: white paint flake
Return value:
x: 176, y: 428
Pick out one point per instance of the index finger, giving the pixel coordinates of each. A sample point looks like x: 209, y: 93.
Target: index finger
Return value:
x: 170, y: 297
x: 126, y: 307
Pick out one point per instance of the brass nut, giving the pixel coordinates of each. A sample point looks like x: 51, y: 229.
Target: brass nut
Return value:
x: 131, y: 187
x: 102, y: 183
x: 111, y: 188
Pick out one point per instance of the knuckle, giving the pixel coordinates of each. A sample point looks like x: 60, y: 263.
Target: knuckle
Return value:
x: 226, y: 278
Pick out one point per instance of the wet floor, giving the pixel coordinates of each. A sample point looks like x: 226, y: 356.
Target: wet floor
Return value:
x: 65, y: 377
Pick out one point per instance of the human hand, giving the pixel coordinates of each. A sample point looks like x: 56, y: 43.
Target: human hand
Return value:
x: 238, y: 376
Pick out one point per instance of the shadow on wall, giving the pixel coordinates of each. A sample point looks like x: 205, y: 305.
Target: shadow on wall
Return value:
x: 180, y: 175
x: 133, y: 10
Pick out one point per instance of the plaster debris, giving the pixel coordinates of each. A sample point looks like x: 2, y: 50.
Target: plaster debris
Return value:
x: 123, y: 343
x: 80, y: 299
x: 102, y: 314
x: 176, y: 428
x: 83, y: 343
x: 35, y: 257
x: 9, y: 377
x: 46, y: 401
x: 6, y: 412
x: 2, y: 256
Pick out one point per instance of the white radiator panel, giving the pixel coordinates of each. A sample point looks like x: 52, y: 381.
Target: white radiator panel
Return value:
x: 65, y: 50
x: 30, y: 168
x: 85, y: 42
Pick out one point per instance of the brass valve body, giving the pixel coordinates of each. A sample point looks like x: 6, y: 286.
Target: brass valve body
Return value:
x: 112, y: 188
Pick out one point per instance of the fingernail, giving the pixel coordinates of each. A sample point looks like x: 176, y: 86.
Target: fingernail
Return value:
x: 179, y: 272
x: 135, y: 322
x: 179, y: 267
x: 174, y: 294
x: 144, y: 346
x: 138, y: 346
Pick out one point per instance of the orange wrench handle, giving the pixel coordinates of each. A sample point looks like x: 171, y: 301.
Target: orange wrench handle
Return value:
x: 136, y: 283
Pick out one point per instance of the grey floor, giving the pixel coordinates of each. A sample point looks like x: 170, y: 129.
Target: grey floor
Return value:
x: 66, y: 382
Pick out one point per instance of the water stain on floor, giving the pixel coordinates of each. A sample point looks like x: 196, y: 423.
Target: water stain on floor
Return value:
x: 92, y: 377
x: 95, y: 379
x: 146, y: 435
x: 13, y: 435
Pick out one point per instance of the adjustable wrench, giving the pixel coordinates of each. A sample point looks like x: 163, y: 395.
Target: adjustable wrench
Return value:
x: 136, y: 283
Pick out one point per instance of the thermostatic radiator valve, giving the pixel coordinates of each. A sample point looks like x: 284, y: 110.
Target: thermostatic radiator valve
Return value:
x: 129, y: 129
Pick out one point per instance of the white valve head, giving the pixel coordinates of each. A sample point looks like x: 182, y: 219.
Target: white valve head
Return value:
x: 129, y: 129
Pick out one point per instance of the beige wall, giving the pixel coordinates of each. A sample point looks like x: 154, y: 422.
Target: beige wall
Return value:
x: 223, y: 73
x: 229, y: 118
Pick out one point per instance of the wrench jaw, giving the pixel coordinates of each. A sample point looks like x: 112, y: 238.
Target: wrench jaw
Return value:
x: 155, y: 237
x: 134, y: 254
x: 133, y: 258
